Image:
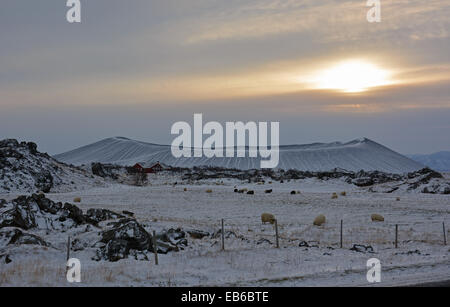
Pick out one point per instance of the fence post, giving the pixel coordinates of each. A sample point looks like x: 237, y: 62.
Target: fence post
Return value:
x: 341, y: 233
x: 68, y: 249
x: 276, y: 233
x: 223, y: 236
x: 396, y: 235
x: 155, y: 247
x: 445, y: 233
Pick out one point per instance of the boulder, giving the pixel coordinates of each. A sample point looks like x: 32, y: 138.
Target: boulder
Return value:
x: 126, y: 235
x: 131, y: 231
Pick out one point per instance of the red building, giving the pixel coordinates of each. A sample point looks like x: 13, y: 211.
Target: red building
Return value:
x: 148, y: 169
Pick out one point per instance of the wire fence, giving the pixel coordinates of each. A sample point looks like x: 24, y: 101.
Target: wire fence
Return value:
x: 342, y: 233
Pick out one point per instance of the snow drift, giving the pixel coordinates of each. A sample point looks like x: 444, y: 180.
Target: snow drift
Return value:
x: 361, y: 154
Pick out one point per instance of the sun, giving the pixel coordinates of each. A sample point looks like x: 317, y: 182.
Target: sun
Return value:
x: 352, y: 77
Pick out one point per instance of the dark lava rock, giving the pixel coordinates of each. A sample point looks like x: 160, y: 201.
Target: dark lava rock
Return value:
x: 262, y: 241
x: 108, y: 170
x: 126, y: 235
x: 43, y: 181
x: 176, y: 237
x: 129, y: 213
x: 409, y: 253
x: 308, y: 244
x: 228, y: 234
x: 362, y: 248
x: 78, y: 245
x: 303, y: 244
x: 6, y: 258
x: 363, y: 182
x: 268, y: 191
x: 36, y: 211
x: 129, y: 238
x: 131, y: 231
x: 100, y: 215
x: 197, y: 234
x: 251, y: 192
x: 10, y: 236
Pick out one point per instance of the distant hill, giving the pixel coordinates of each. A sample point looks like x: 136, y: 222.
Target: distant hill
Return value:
x: 439, y: 161
x: 360, y: 154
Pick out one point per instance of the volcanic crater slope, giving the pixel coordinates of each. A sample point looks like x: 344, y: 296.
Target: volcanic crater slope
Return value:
x: 360, y: 154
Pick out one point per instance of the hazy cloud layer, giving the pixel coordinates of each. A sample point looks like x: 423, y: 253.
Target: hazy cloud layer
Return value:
x: 134, y: 67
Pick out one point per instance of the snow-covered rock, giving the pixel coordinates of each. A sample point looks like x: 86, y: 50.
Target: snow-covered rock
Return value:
x: 24, y: 169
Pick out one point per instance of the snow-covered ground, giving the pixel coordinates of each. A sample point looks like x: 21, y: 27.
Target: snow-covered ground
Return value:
x: 248, y: 259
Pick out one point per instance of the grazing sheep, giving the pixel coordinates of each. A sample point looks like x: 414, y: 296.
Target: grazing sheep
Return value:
x: 344, y: 193
x: 185, y: 189
x: 77, y: 200
x: 398, y: 199
x: 377, y: 218
x: 267, y: 218
x: 268, y: 191
x: 334, y: 196
x: 318, y: 221
x: 209, y: 191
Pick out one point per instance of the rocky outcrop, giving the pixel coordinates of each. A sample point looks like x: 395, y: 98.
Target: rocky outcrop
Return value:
x: 414, y: 180
x: 24, y: 169
x: 36, y: 211
x: 111, y: 171
x: 124, y: 238
x: 127, y: 238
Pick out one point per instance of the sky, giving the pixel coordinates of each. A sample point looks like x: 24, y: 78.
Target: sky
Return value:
x: 133, y: 68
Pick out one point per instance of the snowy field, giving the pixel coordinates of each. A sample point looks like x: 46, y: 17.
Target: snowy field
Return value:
x: 251, y: 257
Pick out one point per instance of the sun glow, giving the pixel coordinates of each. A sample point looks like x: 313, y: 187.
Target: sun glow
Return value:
x: 352, y: 77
